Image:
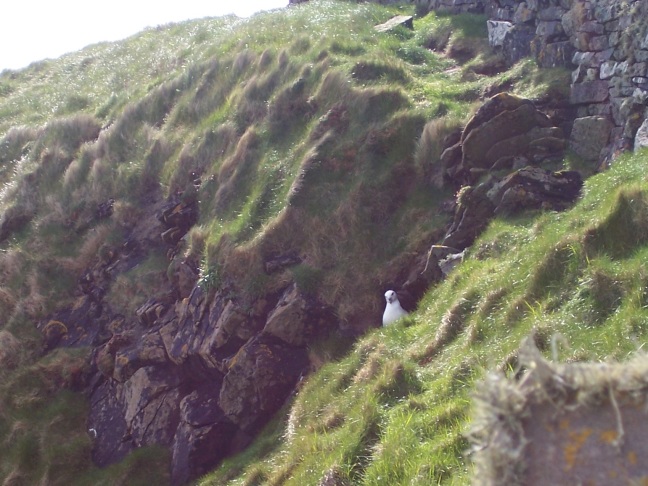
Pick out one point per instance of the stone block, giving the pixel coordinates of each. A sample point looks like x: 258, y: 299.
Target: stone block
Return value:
x: 399, y: 20
x: 594, y: 28
x: 581, y: 41
x: 582, y: 58
x: 641, y: 138
x: 569, y: 23
x: 608, y: 69
x: 607, y: 12
x: 589, y: 136
x: 562, y: 424
x: 551, y: 13
x: 549, y: 29
x: 497, y: 31
x: 641, y: 55
x: 589, y: 92
x: 640, y: 95
x: 602, y: 56
x: 518, y: 43
x: 523, y: 14
x: 555, y: 54
x: 598, y: 43
x: 638, y: 69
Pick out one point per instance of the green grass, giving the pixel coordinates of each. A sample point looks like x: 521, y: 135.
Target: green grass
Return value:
x: 397, y: 408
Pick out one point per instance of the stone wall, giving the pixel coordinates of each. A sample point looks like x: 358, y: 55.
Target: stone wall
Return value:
x: 604, y: 42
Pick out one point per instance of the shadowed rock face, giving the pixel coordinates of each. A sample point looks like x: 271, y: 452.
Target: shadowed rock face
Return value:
x: 505, y: 133
x: 192, y: 369
x: 499, y: 164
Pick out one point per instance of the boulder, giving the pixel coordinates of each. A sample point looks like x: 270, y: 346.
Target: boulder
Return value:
x: 527, y: 188
x: 111, y: 437
x: 149, y: 312
x: 505, y: 126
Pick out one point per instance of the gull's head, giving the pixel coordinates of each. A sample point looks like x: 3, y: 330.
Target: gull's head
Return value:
x: 390, y: 296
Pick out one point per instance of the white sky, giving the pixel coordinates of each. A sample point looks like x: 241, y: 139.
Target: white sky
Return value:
x: 32, y: 30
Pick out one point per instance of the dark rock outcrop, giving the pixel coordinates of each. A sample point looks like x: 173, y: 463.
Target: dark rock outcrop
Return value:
x: 192, y: 368
x: 506, y: 132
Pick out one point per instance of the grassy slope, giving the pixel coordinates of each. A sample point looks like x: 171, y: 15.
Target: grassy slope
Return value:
x: 220, y: 98
x: 396, y: 410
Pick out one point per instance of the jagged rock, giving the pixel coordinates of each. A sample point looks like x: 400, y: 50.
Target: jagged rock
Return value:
x: 523, y: 13
x: 535, y: 188
x: 106, y: 416
x: 536, y: 143
x: 149, y: 312
x: 203, y: 436
x: 231, y: 328
x: 183, y: 277
x: 145, y: 351
x: 178, y: 215
x: 589, y: 136
x: 80, y: 325
x: 297, y: 317
x: 152, y: 399
x: 527, y: 188
x: 474, y: 211
x: 259, y: 380
x: 505, y: 127
x: 210, y: 328
x: 452, y: 170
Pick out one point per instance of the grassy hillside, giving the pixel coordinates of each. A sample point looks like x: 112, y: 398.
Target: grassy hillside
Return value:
x: 296, y: 131
x: 397, y: 409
